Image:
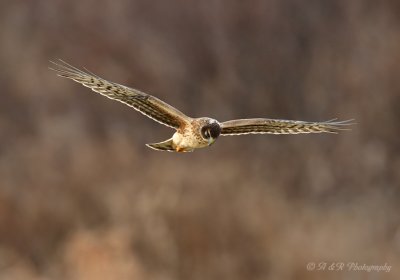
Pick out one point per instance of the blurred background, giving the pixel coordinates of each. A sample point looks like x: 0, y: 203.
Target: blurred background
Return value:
x: 82, y: 197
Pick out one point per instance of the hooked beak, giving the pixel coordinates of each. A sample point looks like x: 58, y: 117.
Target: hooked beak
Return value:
x: 211, y: 141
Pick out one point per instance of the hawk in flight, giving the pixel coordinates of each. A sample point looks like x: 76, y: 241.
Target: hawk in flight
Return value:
x: 191, y: 133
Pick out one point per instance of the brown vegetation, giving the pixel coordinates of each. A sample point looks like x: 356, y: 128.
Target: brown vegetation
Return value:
x: 81, y: 197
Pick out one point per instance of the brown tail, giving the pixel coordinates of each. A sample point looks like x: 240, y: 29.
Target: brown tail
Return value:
x: 163, y: 146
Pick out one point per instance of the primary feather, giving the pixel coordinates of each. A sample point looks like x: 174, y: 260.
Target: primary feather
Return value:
x: 274, y: 126
x: 148, y: 105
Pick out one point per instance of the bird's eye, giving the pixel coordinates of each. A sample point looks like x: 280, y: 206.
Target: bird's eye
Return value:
x: 206, y: 133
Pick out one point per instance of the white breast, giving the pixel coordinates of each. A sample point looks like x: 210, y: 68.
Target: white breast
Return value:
x: 177, y: 138
x: 187, y: 140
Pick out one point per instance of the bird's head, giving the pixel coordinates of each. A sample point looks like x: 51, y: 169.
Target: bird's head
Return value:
x: 210, y: 131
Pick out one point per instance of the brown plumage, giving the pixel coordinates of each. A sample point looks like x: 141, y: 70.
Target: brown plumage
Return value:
x: 146, y: 104
x: 191, y: 133
x: 274, y: 126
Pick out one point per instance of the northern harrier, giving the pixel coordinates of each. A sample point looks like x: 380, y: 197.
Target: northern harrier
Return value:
x: 191, y: 133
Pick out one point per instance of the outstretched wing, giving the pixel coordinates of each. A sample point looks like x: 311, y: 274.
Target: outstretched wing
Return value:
x: 272, y: 126
x: 148, y: 105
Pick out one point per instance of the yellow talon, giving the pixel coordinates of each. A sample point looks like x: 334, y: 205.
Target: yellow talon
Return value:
x: 179, y: 149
